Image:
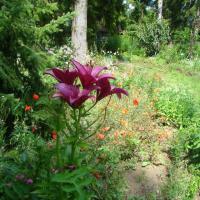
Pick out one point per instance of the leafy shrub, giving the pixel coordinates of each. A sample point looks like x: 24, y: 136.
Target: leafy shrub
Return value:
x: 193, y: 148
x: 181, y: 185
x: 187, y: 146
x: 176, y: 105
x: 124, y: 44
x: 182, y: 39
x: 171, y: 54
x: 152, y: 35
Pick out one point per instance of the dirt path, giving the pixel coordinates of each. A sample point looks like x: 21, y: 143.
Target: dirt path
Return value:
x: 144, y: 181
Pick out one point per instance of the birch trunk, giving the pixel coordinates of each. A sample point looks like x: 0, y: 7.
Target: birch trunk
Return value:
x: 160, y: 9
x: 79, y: 31
x: 194, y: 33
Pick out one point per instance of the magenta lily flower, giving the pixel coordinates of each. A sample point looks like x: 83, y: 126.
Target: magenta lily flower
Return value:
x: 63, y: 76
x: 91, y: 79
x: 90, y: 75
x: 107, y: 89
x: 72, y: 94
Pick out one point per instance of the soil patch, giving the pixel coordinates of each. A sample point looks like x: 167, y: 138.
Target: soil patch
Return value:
x: 144, y: 181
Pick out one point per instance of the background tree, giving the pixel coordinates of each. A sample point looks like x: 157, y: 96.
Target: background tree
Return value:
x: 79, y: 30
x: 160, y: 8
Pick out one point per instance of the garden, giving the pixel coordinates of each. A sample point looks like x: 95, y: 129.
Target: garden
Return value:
x: 100, y: 100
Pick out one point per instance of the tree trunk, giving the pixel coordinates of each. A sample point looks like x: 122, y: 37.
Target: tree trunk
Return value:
x: 160, y: 9
x: 194, y: 33
x: 79, y: 31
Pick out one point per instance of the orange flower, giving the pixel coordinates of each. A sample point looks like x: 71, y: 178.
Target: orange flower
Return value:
x: 123, y: 123
x: 35, y: 97
x: 116, y: 135
x: 54, y: 135
x: 27, y: 108
x: 100, y: 136
x: 135, y: 102
x: 124, y: 111
x: 105, y: 129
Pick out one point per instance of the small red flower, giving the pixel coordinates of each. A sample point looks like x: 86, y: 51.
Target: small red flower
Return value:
x: 33, y: 129
x: 54, y: 135
x: 36, y: 97
x: 27, y: 108
x: 100, y: 136
x: 96, y: 175
x: 135, y: 102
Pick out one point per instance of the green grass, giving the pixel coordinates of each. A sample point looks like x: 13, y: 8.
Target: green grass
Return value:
x: 180, y: 74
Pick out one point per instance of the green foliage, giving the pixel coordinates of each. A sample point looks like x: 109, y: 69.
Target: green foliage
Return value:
x: 182, y: 41
x: 171, y: 54
x: 187, y: 145
x: 23, y: 32
x: 181, y: 13
x: 27, y: 29
x: 193, y: 149
x: 180, y: 185
x: 104, y: 20
x: 176, y: 105
x: 152, y: 35
x: 124, y: 44
x: 72, y: 185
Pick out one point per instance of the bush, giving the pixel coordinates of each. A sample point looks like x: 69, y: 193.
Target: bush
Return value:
x: 182, y: 39
x: 171, y: 54
x: 187, y: 145
x: 123, y: 44
x: 181, y: 185
x: 152, y: 35
x: 176, y: 105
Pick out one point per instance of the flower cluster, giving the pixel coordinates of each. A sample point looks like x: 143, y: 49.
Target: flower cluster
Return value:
x: 22, y: 178
x: 94, y: 85
x: 35, y: 98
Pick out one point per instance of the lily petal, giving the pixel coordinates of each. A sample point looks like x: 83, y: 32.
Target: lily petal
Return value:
x: 118, y: 91
x: 63, y: 76
x: 97, y: 70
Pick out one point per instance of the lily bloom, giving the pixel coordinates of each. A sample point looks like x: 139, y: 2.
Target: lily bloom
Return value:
x: 27, y: 108
x: 72, y: 94
x: 63, y: 75
x: 106, y: 89
x: 90, y: 75
x: 36, y: 97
